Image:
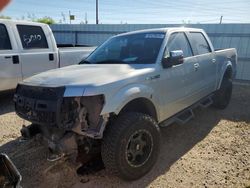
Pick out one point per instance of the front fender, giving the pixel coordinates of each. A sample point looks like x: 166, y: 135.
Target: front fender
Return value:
x: 116, y: 102
x: 222, y: 72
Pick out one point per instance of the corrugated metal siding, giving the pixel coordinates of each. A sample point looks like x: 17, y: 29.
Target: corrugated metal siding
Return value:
x: 222, y: 36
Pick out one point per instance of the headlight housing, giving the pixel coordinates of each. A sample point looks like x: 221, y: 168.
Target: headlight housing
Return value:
x: 82, y: 112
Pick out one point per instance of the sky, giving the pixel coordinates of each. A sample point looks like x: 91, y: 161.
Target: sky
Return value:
x: 133, y: 11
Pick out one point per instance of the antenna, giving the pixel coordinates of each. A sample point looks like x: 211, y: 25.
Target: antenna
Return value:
x: 69, y: 17
x: 86, y: 18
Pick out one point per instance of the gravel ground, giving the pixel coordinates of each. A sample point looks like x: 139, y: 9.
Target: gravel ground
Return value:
x: 212, y: 150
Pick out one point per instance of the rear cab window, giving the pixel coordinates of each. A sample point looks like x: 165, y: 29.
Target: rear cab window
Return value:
x: 32, y: 37
x: 4, y: 38
x: 199, y: 43
x: 178, y: 41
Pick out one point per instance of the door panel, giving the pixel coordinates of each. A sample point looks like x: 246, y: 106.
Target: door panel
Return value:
x: 177, y: 85
x: 207, y: 66
x: 10, y: 73
x: 36, y: 62
x: 208, y: 73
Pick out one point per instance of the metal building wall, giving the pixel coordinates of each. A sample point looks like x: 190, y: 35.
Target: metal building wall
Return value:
x: 222, y: 36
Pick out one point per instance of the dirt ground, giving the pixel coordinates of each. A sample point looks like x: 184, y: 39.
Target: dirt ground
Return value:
x: 212, y: 150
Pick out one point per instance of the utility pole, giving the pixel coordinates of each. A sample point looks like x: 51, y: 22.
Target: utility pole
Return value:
x: 97, y: 20
x: 69, y: 17
x: 86, y: 18
x: 221, y: 19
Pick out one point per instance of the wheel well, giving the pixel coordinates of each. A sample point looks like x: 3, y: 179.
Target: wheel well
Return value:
x: 229, y: 72
x: 141, y: 105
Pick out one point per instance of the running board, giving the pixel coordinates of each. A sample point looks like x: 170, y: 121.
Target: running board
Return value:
x: 187, y: 114
x: 184, y: 117
x: 206, y: 103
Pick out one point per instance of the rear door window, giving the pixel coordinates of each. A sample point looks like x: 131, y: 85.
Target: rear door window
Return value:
x: 178, y: 41
x: 32, y: 37
x: 4, y: 38
x: 200, y: 43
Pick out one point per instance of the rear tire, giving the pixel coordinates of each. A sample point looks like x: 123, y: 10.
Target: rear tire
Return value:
x: 222, y: 96
x: 131, y: 145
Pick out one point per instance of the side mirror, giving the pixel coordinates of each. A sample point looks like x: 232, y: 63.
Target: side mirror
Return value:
x: 9, y: 175
x: 175, y: 58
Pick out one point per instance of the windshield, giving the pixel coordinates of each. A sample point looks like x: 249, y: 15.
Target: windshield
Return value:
x: 140, y: 48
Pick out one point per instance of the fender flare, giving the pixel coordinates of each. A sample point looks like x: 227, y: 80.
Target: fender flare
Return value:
x: 127, y: 94
x: 224, y: 68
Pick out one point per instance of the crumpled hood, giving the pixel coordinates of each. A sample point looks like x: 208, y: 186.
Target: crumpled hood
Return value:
x: 87, y: 75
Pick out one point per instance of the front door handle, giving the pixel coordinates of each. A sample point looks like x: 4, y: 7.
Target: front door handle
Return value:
x: 15, y: 59
x: 213, y: 60
x: 51, y: 57
x: 153, y: 77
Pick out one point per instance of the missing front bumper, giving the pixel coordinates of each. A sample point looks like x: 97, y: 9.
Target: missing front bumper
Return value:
x: 47, y: 106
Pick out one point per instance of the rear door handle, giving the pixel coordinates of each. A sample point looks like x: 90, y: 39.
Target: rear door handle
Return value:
x: 15, y: 59
x: 213, y: 60
x: 196, y: 66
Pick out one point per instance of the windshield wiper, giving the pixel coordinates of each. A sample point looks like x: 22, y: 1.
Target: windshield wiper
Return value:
x: 84, y: 62
x: 111, y: 61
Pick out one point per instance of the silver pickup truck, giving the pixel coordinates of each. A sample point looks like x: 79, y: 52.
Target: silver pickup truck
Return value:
x: 115, y: 100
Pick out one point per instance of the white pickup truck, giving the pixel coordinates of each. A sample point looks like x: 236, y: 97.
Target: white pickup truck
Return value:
x: 28, y: 48
x: 116, y: 99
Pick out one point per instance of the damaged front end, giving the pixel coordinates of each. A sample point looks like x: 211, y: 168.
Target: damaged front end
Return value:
x: 66, y: 123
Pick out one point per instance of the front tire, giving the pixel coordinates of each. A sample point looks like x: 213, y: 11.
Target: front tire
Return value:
x: 131, y: 146
x: 222, y: 96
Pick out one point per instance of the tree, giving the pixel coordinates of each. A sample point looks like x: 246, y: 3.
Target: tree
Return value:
x: 46, y: 20
x: 5, y: 17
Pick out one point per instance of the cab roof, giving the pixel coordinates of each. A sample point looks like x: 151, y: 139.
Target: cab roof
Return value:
x: 6, y: 21
x: 162, y: 30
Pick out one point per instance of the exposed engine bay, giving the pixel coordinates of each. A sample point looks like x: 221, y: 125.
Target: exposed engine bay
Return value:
x: 70, y: 126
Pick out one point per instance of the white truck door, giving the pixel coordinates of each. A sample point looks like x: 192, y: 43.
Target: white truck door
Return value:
x: 37, y: 53
x: 206, y: 63
x: 178, y: 81
x: 10, y: 68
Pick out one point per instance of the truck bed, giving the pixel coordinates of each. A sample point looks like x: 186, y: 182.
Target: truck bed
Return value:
x: 73, y: 55
x: 223, y: 55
